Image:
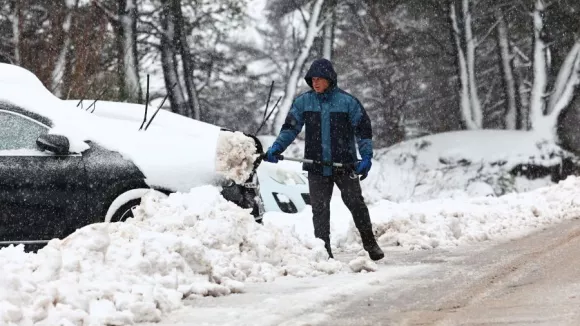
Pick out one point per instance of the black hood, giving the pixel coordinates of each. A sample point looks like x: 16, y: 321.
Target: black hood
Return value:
x: 321, y: 68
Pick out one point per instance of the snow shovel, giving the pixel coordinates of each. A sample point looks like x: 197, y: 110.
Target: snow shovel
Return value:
x: 349, y: 167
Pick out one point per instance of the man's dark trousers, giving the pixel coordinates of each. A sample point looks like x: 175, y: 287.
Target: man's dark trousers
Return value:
x: 320, y: 194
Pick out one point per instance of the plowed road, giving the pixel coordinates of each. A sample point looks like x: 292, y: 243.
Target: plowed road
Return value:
x: 530, y: 281
x: 533, y: 280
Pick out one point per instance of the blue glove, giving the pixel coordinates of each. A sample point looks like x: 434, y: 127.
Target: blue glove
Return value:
x: 363, y: 167
x: 272, y: 153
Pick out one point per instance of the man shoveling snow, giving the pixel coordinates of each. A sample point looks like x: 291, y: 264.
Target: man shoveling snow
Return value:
x: 333, y: 119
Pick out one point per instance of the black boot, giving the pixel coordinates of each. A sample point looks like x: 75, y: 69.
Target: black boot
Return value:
x: 370, y: 245
x: 328, y: 249
x: 375, y: 252
x: 327, y: 246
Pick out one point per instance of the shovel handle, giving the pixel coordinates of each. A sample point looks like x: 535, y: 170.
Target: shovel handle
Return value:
x: 349, y: 167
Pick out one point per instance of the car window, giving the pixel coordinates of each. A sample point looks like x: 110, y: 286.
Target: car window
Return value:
x: 19, y: 132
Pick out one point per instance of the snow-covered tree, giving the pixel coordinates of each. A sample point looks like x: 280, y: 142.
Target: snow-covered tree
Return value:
x: 329, y: 29
x: 124, y: 20
x: 506, y: 56
x: 169, y: 59
x: 563, y: 92
x: 312, y: 31
x: 190, y: 37
x: 60, y: 66
x: 566, y: 81
x: 540, y: 55
x: 15, y: 18
x: 466, y: 42
x: 545, y: 106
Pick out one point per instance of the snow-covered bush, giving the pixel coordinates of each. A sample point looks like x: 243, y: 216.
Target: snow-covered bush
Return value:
x: 467, y: 163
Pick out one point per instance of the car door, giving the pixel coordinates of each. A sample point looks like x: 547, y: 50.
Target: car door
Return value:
x: 42, y: 195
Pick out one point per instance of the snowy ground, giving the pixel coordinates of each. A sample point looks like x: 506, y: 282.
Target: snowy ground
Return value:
x: 185, y: 248
x: 289, y: 301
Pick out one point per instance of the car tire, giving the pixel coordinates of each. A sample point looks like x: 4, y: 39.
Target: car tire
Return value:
x: 125, y: 211
x: 120, y: 208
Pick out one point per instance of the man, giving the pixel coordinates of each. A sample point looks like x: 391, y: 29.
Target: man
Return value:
x: 334, y: 119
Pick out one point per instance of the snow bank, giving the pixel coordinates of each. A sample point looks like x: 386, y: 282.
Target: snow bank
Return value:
x: 452, y: 222
x: 184, y: 245
x: 464, y: 164
x: 445, y: 222
x: 235, y: 157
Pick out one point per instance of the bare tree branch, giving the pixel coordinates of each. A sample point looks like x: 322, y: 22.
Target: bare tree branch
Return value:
x: 108, y: 12
x: 301, y: 12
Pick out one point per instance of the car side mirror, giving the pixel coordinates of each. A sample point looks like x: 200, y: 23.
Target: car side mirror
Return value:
x: 57, y: 144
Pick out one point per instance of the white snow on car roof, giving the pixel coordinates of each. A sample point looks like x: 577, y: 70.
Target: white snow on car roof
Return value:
x: 134, y: 113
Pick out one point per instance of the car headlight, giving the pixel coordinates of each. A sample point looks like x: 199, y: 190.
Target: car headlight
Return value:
x: 287, y: 177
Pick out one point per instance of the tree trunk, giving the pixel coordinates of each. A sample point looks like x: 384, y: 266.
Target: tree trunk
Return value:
x: 566, y: 81
x: 58, y: 72
x: 476, y: 109
x: 188, y: 70
x: 169, y: 62
x: 128, y: 22
x: 187, y: 62
x: 16, y: 27
x: 465, y: 103
x: 508, y: 75
x: 524, y: 98
x: 537, y: 103
x: 292, y: 84
x: 328, y: 38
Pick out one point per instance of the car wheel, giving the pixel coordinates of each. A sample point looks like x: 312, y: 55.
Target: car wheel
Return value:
x: 126, y: 211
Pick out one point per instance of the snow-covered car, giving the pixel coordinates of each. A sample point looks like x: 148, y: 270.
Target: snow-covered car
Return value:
x: 63, y: 168
x: 134, y: 115
x: 283, y: 187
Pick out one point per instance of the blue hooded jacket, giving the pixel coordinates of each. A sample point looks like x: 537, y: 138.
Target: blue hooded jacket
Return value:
x: 334, y: 121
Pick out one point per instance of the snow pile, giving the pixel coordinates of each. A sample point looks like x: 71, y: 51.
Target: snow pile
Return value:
x: 363, y: 264
x: 452, y: 222
x: 465, y: 164
x: 445, y: 222
x: 184, y: 245
x: 235, y: 156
